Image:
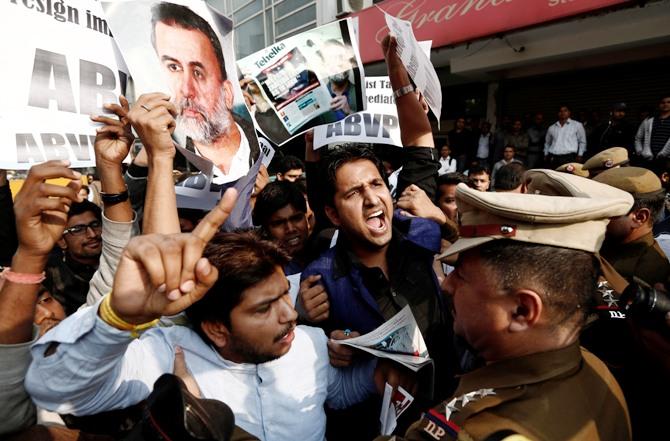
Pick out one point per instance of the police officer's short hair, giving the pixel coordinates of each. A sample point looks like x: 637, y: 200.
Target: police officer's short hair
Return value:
x: 566, y: 279
x: 509, y: 176
x: 182, y: 16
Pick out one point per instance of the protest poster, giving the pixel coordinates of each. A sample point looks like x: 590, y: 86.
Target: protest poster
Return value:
x: 185, y: 49
x: 306, y: 80
x: 378, y: 124
x: 417, y: 63
x: 53, y: 83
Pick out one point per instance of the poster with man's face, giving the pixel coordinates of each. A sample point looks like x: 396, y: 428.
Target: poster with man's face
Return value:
x: 184, y: 49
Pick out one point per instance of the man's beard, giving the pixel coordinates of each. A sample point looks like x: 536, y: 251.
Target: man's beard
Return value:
x: 211, y: 127
x: 253, y: 354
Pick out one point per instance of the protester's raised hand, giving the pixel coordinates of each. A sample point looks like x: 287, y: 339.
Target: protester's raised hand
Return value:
x: 244, y: 84
x: 415, y: 202
x: 114, y: 139
x: 390, y: 49
x: 313, y: 299
x: 341, y: 356
x: 153, y: 118
x: 164, y: 274
x: 41, y: 209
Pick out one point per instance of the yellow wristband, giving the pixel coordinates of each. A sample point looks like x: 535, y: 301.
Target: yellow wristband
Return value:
x: 110, y: 317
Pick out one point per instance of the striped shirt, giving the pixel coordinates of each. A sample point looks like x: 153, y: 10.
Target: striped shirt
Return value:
x: 660, y: 132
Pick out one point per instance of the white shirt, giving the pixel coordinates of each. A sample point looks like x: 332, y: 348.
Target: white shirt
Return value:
x: 483, y: 147
x: 97, y: 368
x: 565, y: 139
x: 447, y: 165
x: 238, y: 167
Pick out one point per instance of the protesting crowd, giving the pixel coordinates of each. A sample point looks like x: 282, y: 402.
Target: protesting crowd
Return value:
x: 507, y: 282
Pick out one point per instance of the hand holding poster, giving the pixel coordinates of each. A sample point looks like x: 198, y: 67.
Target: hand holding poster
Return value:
x: 306, y: 80
x: 418, y: 65
x: 184, y: 48
x: 55, y: 83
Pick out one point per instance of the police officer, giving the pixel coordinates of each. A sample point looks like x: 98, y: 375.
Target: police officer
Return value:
x: 605, y: 160
x: 525, y: 275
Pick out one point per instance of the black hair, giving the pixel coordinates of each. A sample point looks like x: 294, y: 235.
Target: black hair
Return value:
x: 243, y: 260
x: 566, y: 279
x: 509, y: 176
x: 172, y: 14
x: 83, y: 207
x: 654, y: 203
x: 478, y: 170
x: 289, y: 162
x: 275, y: 196
x: 451, y: 179
x: 339, y: 157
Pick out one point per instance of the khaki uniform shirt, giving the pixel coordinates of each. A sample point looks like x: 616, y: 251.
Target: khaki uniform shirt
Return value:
x: 561, y: 395
x: 642, y: 258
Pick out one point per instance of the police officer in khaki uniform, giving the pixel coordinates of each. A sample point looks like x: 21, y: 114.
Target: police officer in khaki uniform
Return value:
x: 525, y: 276
x: 630, y: 246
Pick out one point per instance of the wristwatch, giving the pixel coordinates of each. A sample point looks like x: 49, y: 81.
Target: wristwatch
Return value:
x: 403, y: 91
x: 113, y: 198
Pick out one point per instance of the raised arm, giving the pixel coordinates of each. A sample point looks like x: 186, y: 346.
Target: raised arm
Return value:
x: 90, y: 363
x: 152, y: 116
x: 415, y: 129
x: 112, y: 144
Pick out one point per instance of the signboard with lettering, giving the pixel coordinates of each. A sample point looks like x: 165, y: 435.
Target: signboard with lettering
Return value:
x: 53, y: 82
x: 457, y: 21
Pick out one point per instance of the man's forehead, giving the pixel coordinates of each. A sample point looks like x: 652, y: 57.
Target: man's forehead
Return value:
x: 285, y: 212
x: 81, y: 218
x: 357, y: 171
x: 266, y: 290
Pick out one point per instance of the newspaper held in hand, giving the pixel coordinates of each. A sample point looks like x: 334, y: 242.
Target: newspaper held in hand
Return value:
x: 398, y: 339
x: 393, y: 405
x: 418, y: 65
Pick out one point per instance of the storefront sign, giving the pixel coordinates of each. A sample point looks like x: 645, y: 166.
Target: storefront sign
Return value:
x: 456, y: 21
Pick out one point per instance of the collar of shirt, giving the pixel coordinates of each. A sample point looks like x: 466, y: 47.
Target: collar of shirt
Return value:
x: 529, y: 369
x: 239, y: 165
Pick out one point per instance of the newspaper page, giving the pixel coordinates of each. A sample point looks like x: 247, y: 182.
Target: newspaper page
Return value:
x: 398, y: 339
x: 312, y: 78
x: 393, y: 405
x: 184, y: 48
x: 54, y: 82
x: 418, y: 65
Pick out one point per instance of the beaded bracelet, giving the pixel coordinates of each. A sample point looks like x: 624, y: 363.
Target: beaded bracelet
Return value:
x: 110, y: 317
x: 22, y: 278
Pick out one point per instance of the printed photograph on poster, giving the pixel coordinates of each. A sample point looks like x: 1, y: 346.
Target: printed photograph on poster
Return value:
x: 309, y: 79
x: 185, y: 49
x: 54, y: 83
x: 378, y: 124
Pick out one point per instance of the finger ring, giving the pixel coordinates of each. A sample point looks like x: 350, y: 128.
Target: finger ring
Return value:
x: 347, y: 332
x: 145, y: 107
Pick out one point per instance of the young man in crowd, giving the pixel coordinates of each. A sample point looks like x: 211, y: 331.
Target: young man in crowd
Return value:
x: 565, y: 140
x: 479, y: 178
x: 244, y: 348
x: 509, y: 156
x: 281, y: 213
x: 653, y: 136
x: 290, y: 169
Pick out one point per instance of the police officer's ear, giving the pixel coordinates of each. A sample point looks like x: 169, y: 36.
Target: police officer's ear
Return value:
x: 217, y: 332
x: 641, y: 216
x: 525, y: 311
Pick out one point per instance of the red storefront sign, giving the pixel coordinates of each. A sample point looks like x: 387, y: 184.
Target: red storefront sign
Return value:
x: 456, y: 21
